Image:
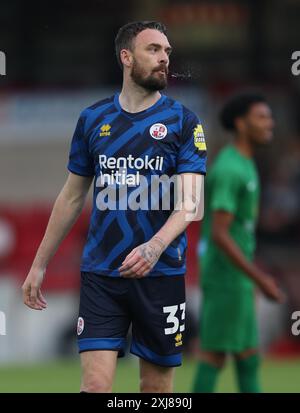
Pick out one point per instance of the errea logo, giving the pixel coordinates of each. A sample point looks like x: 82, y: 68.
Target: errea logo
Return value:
x: 178, y: 340
x: 105, y: 130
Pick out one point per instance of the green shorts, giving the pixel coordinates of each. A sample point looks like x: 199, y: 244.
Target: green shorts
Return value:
x: 228, y: 320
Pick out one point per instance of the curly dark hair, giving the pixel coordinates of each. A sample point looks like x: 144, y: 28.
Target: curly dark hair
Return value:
x: 237, y: 106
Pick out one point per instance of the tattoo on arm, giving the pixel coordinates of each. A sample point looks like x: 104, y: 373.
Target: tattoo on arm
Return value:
x: 160, y: 241
x: 149, y: 252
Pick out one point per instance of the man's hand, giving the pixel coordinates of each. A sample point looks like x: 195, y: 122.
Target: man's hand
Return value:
x: 32, y: 295
x: 66, y: 210
x: 269, y: 287
x: 142, y: 259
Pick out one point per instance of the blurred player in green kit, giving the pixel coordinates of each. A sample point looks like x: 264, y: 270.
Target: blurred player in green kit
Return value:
x: 228, y: 275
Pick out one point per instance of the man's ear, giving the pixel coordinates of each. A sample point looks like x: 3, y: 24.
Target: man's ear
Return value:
x: 126, y: 57
x: 240, y: 124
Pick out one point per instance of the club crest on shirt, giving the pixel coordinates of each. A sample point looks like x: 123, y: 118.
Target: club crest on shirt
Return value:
x: 158, y: 131
x: 199, y: 140
x: 80, y: 326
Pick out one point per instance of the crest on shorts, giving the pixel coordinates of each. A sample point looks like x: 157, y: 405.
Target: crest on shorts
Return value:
x: 80, y: 326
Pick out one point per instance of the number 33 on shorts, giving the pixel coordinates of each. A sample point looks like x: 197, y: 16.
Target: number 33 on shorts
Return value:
x: 175, y: 318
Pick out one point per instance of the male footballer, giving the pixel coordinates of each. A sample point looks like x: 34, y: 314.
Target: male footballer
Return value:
x: 133, y: 263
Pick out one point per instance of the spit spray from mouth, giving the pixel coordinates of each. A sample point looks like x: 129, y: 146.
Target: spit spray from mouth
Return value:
x: 182, y: 76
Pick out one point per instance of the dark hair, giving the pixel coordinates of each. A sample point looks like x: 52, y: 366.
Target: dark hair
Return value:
x: 129, y: 31
x: 237, y: 106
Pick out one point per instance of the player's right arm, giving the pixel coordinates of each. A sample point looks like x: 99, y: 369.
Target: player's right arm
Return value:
x: 66, y: 210
x: 221, y: 221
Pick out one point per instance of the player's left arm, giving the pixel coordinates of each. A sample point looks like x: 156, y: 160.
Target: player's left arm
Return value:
x: 189, y: 207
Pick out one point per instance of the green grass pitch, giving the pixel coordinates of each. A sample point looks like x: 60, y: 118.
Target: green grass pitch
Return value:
x: 63, y: 376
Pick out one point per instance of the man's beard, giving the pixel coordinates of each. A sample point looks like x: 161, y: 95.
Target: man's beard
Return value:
x: 152, y: 83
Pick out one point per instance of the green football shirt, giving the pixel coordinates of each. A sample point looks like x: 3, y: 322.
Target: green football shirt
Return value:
x: 232, y: 185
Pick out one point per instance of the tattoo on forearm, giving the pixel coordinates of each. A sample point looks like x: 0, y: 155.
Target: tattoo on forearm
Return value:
x: 160, y: 241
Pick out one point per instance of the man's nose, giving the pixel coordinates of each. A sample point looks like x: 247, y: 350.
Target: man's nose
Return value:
x: 164, y: 57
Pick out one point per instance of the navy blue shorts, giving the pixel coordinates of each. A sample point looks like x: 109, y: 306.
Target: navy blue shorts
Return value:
x: 153, y: 306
